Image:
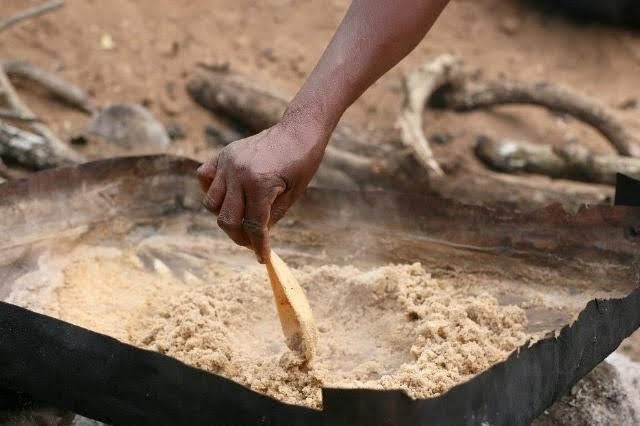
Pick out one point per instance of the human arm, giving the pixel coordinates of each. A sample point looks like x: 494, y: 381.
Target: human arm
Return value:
x: 252, y: 182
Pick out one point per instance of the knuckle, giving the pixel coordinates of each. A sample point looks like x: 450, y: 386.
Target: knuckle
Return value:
x: 209, y: 203
x: 254, y: 227
x: 202, y: 171
x: 227, y: 223
x: 253, y: 175
x: 223, y: 155
x: 278, y: 213
x: 207, y: 169
x: 265, y: 185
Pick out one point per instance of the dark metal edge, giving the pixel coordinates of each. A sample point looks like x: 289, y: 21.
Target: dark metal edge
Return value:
x: 513, y: 392
x: 107, y: 380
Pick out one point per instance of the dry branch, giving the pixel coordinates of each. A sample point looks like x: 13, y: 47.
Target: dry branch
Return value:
x: 569, y: 162
x: 524, y: 192
x: 12, y: 115
x: 27, y: 149
x: 418, y: 86
x: 30, y: 13
x: 58, y: 148
x: 386, y: 161
x: 466, y: 97
x: 351, y: 151
x: 67, y: 92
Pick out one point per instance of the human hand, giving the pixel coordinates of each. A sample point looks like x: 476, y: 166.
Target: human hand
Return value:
x: 252, y: 182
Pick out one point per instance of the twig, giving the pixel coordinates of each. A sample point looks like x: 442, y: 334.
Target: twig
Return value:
x: 570, y: 162
x: 69, y: 93
x: 28, y: 149
x: 58, y: 148
x: 419, y: 85
x: 12, y: 115
x: 465, y: 97
x: 30, y: 13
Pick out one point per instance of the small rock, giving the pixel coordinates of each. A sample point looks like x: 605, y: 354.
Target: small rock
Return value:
x: 106, y: 42
x: 510, y: 25
x: 130, y: 126
x: 170, y: 50
x: 268, y: 54
x: 214, y: 65
x: 631, y: 103
x: 175, y: 132
x: 441, y: 138
x: 78, y: 140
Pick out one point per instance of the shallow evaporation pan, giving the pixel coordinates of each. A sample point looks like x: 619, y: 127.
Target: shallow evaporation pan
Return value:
x: 583, y: 267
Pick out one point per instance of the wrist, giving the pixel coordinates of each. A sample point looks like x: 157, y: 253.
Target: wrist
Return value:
x: 312, y: 113
x: 305, y: 129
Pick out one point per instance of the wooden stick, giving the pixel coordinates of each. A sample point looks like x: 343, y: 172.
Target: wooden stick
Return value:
x: 569, y: 162
x: 12, y: 115
x: 28, y: 149
x: 30, y: 13
x: 59, y: 149
x: 466, y: 97
x: 67, y: 92
x: 294, y: 311
x: 418, y: 86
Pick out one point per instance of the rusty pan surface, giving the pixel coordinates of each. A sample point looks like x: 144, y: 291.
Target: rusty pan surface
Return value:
x: 583, y: 266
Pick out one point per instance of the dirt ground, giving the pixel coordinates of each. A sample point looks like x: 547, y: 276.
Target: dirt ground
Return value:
x: 158, y: 44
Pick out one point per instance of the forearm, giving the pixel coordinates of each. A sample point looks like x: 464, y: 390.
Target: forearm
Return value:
x: 373, y: 37
x: 252, y: 182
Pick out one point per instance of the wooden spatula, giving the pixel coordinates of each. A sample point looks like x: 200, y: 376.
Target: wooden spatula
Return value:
x: 293, y: 307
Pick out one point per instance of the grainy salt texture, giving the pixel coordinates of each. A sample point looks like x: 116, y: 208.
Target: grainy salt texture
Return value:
x: 390, y: 327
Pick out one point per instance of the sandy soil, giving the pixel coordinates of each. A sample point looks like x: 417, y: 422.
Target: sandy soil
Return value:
x: 157, y: 45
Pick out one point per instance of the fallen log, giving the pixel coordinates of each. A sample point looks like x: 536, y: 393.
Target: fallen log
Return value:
x: 572, y: 161
x: 12, y: 115
x: 486, y: 187
x: 59, y: 150
x: 351, y: 151
x: 257, y: 107
x: 469, y: 96
x: 59, y: 88
x: 28, y: 149
x: 30, y: 13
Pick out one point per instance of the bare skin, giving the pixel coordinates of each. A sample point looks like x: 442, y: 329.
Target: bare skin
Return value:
x: 252, y: 182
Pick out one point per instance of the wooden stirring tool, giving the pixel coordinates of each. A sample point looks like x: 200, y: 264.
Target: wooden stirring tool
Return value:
x: 293, y: 307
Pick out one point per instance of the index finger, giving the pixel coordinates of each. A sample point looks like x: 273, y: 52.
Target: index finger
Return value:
x: 207, y: 172
x: 256, y: 220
